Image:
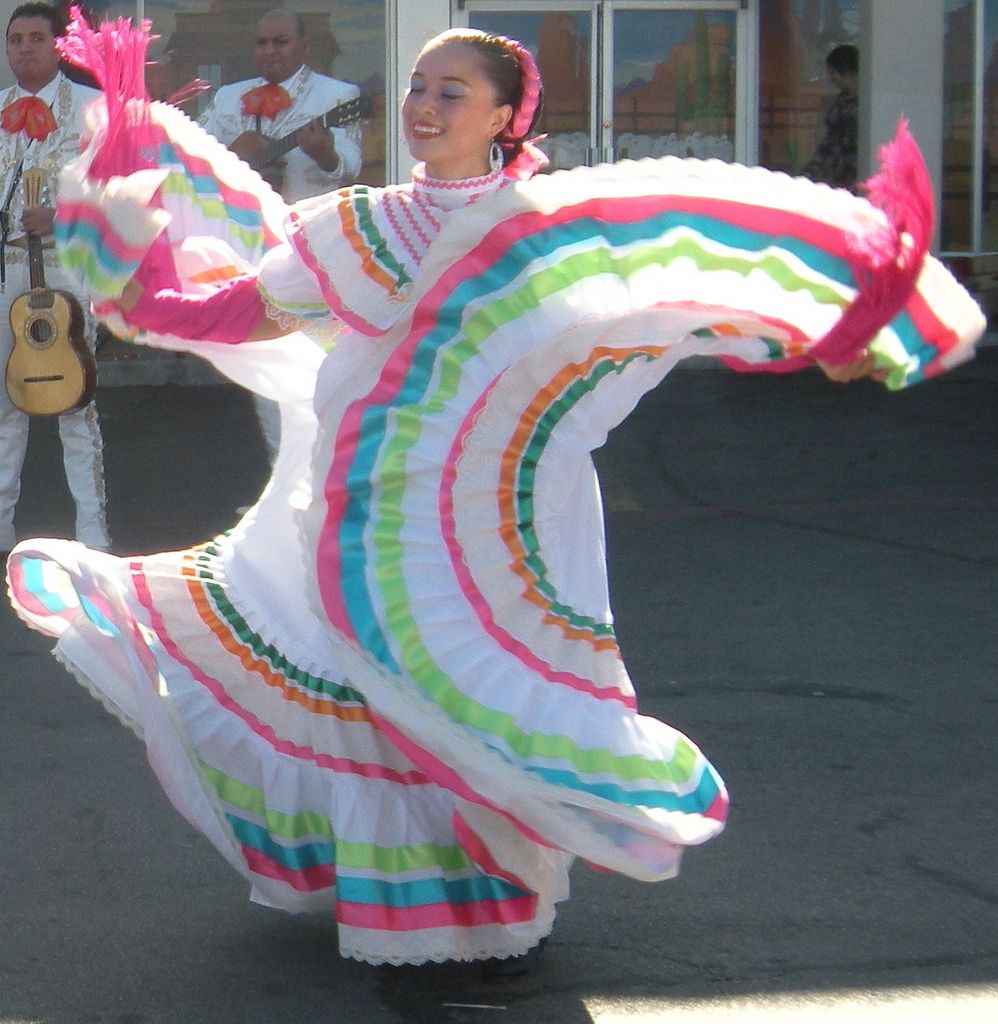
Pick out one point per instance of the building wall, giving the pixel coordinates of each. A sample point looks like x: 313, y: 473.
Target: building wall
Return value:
x: 901, y: 75
x: 901, y: 72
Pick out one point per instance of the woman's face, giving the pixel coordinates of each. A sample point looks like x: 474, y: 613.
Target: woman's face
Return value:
x: 450, y: 115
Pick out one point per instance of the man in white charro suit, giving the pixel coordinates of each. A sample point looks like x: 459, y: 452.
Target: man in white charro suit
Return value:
x: 285, y: 100
x: 41, y: 117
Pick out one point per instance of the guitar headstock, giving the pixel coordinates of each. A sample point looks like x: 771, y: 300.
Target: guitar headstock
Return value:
x: 35, y: 187
x: 348, y: 112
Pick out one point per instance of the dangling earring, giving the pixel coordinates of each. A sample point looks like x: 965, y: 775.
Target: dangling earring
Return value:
x: 495, y: 156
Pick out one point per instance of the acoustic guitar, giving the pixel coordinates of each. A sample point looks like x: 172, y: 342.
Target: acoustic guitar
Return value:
x: 261, y: 151
x: 50, y: 370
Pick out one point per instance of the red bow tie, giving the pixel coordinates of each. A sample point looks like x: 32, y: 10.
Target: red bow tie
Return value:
x: 30, y: 115
x: 266, y: 101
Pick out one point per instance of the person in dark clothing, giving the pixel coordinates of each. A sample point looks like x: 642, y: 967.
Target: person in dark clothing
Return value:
x: 834, y: 161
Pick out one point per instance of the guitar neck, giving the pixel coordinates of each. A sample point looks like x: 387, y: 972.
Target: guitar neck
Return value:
x: 35, y: 188
x: 36, y: 261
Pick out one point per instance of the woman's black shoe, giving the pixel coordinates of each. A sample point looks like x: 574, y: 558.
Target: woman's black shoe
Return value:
x: 513, y: 966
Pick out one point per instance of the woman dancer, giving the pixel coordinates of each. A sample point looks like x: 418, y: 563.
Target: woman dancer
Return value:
x: 394, y: 688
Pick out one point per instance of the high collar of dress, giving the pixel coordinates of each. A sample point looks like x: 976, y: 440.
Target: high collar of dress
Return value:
x: 450, y: 195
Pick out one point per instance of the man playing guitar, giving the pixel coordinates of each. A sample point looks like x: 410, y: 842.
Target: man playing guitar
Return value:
x: 288, y: 99
x: 40, y: 121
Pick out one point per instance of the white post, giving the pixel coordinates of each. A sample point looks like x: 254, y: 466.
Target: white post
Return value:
x: 901, y: 75
x: 416, y: 21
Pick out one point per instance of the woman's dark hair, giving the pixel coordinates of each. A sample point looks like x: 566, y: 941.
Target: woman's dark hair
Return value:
x: 844, y: 59
x: 502, y: 68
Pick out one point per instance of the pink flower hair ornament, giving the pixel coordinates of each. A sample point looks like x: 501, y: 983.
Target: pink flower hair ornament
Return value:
x: 529, y: 160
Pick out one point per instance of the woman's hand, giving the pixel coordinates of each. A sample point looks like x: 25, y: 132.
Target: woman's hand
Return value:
x: 129, y: 297
x: 864, y: 365
x: 317, y: 142
x: 38, y: 220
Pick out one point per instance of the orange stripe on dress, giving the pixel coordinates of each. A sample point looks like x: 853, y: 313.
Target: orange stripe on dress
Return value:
x: 252, y: 663
x: 510, y: 463
x: 213, y: 274
x: 355, y: 238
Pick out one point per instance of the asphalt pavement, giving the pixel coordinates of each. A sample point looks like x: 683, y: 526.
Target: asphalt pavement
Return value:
x: 804, y: 578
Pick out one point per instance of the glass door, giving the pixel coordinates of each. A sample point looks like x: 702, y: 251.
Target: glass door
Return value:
x: 565, y: 45
x: 672, y: 74
x: 635, y: 78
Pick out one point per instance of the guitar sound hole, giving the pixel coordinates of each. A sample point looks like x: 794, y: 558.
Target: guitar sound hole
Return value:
x: 40, y: 331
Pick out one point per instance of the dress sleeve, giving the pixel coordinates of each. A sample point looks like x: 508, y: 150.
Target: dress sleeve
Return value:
x: 293, y: 297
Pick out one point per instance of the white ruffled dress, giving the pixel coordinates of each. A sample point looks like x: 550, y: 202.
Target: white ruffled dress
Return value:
x: 393, y: 692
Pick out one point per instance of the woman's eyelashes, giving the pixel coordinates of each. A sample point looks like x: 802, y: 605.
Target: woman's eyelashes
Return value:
x: 417, y: 87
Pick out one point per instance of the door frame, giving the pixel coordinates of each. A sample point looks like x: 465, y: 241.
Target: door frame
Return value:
x: 601, y: 50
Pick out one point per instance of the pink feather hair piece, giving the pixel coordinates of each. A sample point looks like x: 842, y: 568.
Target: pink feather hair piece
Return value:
x: 115, y: 54
x: 530, y: 159
x: 885, y: 263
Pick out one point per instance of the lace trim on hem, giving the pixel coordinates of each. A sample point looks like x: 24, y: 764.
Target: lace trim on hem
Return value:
x: 323, y: 331
x: 81, y: 677
x: 439, y: 955
x: 98, y: 695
